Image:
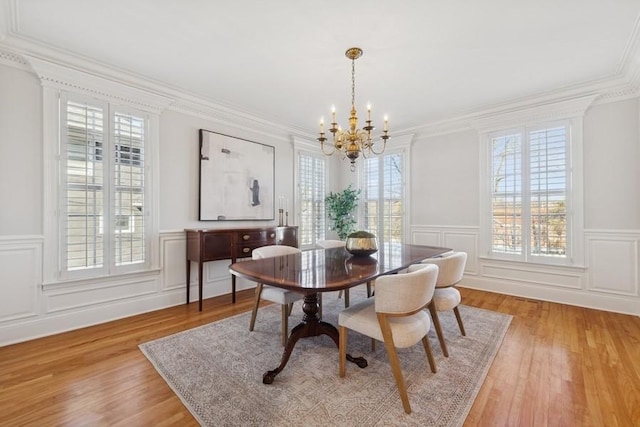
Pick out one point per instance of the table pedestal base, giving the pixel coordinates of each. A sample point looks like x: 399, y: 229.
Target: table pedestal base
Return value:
x: 311, y: 326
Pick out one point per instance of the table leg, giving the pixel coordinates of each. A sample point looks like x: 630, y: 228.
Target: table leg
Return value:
x: 200, y: 286
x: 233, y: 288
x: 311, y: 326
x: 188, y: 279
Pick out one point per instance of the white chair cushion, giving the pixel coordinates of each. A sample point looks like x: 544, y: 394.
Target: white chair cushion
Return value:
x: 279, y: 296
x: 406, y: 331
x: 446, y: 298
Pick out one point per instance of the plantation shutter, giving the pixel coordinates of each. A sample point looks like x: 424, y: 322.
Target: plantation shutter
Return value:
x: 506, y: 196
x: 311, y: 194
x: 548, y: 190
x: 129, y: 184
x: 384, y: 197
x: 82, y: 175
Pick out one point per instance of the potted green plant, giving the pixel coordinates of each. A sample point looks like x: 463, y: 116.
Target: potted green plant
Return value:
x: 341, y: 208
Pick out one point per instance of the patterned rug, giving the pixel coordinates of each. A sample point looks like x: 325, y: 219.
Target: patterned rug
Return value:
x: 216, y: 370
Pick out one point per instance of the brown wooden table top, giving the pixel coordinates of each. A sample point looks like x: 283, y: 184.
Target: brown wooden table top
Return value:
x: 323, y: 270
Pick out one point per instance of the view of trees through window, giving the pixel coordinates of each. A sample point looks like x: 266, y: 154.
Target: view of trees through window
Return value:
x: 529, y: 192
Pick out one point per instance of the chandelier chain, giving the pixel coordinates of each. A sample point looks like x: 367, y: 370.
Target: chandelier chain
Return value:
x: 353, y: 83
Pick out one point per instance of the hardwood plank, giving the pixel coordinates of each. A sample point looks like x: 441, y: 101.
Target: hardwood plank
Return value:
x: 558, y: 365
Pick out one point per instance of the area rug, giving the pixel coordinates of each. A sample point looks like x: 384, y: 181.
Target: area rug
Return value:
x: 216, y: 370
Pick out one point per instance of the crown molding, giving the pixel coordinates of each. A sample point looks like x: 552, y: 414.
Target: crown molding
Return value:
x: 62, y: 77
x: 563, y: 109
x: 599, y: 92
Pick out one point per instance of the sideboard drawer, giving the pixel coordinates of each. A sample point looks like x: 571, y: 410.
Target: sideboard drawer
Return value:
x: 267, y: 237
x: 246, y: 250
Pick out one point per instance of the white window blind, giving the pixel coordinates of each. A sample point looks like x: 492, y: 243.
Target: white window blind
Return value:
x: 529, y: 192
x: 102, y: 214
x: 311, y: 194
x: 383, y: 197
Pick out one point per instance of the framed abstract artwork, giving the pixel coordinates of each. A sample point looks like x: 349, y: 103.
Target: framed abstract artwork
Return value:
x: 237, y: 178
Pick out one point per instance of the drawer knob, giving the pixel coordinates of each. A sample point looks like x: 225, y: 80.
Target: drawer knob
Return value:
x: 272, y: 235
x: 246, y: 237
x: 246, y: 250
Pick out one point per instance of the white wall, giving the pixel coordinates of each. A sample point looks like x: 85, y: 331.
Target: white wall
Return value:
x: 444, y: 177
x: 612, y: 166
x: 20, y: 152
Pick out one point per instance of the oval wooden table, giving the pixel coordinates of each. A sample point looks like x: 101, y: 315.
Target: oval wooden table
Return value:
x: 326, y: 270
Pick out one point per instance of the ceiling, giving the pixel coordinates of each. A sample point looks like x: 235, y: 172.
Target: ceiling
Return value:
x: 283, y: 60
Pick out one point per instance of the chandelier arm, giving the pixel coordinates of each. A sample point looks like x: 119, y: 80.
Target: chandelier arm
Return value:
x: 324, y: 152
x: 384, y: 146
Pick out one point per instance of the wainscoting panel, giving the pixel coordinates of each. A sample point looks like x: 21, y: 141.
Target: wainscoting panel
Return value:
x: 99, y: 293
x: 426, y: 237
x: 613, y: 262
x: 536, y: 274
x: 173, y: 249
x: 20, y: 277
x: 463, y: 239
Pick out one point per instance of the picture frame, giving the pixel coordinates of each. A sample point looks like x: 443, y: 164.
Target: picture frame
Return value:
x: 237, y: 179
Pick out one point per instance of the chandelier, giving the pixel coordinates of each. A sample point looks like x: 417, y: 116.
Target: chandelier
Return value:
x: 353, y: 141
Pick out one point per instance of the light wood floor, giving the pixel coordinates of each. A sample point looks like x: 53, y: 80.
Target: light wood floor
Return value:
x: 558, y: 366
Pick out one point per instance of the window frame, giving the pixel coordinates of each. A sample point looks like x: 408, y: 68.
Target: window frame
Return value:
x: 574, y: 192
x: 106, y: 228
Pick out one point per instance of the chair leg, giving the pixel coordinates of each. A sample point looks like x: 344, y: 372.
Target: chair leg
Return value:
x: 342, y: 351
x: 256, y: 303
x: 394, y: 361
x: 285, y: 324
x: 320, y: 305
x: 459, y: 319
x: 427, y: 349
x: 436, y: 323
x: 369, y: 294
x: 346, y: 298
x: 339, y: 294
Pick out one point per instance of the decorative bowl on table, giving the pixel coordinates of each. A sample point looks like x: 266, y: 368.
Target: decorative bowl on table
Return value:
x: 362, y: 243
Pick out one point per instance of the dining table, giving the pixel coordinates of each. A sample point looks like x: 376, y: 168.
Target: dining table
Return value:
x: 316, y: 271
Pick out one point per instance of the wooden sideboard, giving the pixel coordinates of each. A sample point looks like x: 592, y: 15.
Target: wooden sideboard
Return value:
x: 205, y: 245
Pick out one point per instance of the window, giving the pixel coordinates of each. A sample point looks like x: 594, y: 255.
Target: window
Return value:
x: 311, y: 194
x: 530, y: 193
x: 102, y: 201
x: 383, y: 197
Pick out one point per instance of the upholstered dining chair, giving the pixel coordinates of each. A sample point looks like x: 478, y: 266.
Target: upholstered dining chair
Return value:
x: 396, y: 316
x: 327, y: 244
x: 270, y: 293
x: 446, y: 296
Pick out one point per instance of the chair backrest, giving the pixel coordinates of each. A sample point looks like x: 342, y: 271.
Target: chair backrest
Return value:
x: 406, y: 292
x: 451, y: 268
x: 273, y: 250
x: 327, y: 244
